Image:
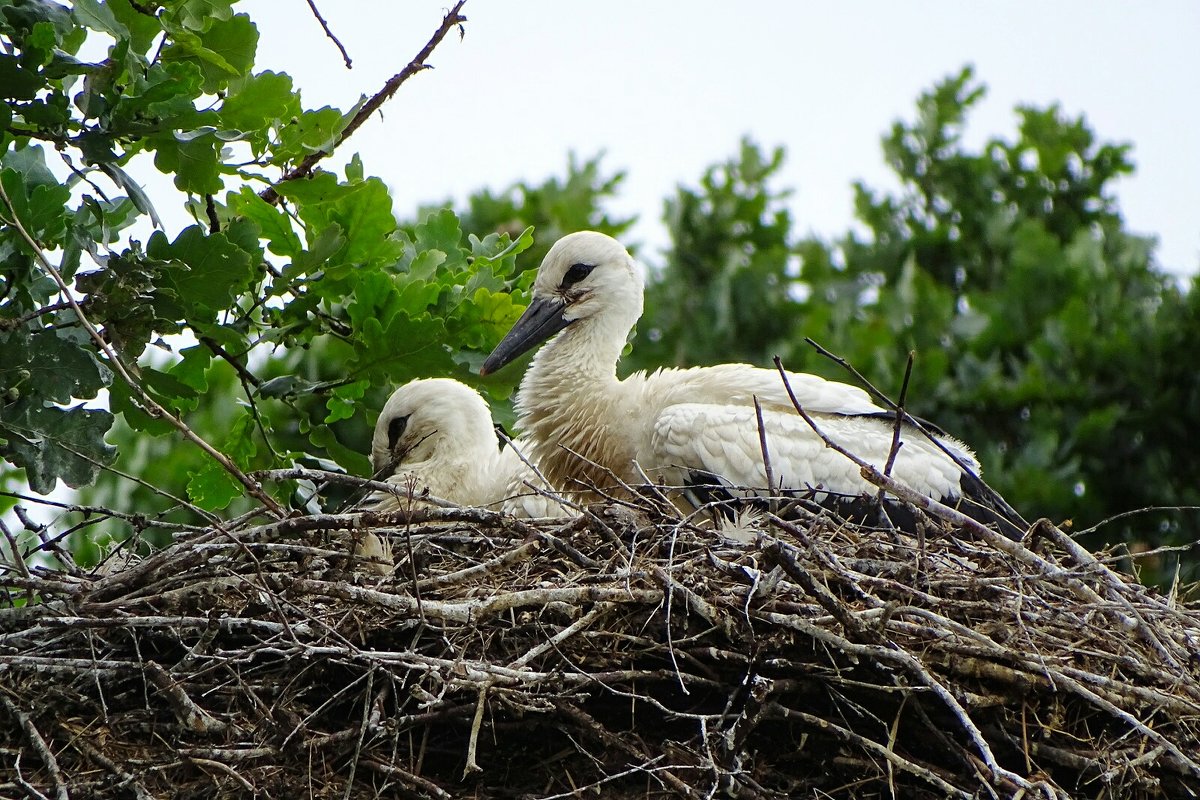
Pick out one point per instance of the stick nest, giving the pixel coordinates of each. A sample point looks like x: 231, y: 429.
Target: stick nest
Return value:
x: 626, y: 653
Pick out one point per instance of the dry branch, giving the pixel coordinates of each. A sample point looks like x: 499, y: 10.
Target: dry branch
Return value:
x: 453, y: 19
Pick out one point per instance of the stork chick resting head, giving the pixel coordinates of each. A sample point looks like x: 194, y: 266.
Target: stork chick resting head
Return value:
x: 427, y: 417
x: 587, y: 282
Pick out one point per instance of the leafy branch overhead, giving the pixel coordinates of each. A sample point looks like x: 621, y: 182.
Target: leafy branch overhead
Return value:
x: 249, y: 289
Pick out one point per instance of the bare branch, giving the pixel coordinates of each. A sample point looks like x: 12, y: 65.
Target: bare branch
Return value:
x: 452, y: 19
x: 325, y: 27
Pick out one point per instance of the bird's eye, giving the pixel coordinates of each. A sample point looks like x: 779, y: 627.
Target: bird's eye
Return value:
x: 576, y: 273
x: 396, y: 430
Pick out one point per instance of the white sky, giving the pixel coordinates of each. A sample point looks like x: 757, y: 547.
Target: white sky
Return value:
x: 668, y: 88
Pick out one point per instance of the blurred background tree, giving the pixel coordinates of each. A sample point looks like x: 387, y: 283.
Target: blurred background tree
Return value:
x: 1045, y: 334
x: 276, y: 324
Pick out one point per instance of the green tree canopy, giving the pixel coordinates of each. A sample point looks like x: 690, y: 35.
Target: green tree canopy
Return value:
x: 1045, y: 334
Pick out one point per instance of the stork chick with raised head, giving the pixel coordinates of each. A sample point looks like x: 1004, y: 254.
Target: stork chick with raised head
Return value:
x: 698, y: 426
x: 437, y: 436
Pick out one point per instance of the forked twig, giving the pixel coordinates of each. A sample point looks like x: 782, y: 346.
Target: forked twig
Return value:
x: 452, y: 19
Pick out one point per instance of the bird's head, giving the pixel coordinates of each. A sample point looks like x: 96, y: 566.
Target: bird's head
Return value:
x: 428, y: 417
x: 586, y: 278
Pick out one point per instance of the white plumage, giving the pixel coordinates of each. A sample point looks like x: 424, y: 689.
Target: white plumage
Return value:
x: 437, y: 436
x: 685, y: 425
x: 724, y: 441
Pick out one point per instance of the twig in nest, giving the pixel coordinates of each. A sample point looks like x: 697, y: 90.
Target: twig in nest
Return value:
x: 873, y: 747
x: 463, y: 576
x: 766, y: 456
x: 921, y: 425
x: 586, y: 621
x: 544, y: 489
x: 192, y: 716
x: 476, y: 723
x: 225, y: 769
x: 34, y: 737
x: 591, y: 728
x: 411, y: 779
x: 1135, y: 512
x: 900, y: 414
x: 368, y: 697
x: 127, y: 778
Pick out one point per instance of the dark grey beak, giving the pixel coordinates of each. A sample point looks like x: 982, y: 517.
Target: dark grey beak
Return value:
x: 541, y: 320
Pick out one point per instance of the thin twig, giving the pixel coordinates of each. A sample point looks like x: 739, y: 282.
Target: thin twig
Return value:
x: 766, y: 456
x: 305, y: 167
x: 210, y: 210
x: 472, y: 765
x: 17, y: 557
x: 238, y: 367
x: 152, y: 406
x: 16, y: 322
x: 325, y: 27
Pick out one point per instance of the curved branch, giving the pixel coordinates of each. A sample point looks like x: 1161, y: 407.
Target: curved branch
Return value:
x: 325, y: 27
x: 304, y: 168
x: 152, y: 406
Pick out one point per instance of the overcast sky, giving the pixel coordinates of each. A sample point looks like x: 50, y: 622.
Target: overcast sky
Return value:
x: 668, y: 88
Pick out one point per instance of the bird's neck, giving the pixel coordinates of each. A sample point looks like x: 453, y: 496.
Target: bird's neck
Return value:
x: 582, y: 354
x: 569, y: 402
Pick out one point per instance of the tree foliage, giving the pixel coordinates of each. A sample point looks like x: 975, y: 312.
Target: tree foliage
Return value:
x: 1045, y: 334
x: 277, y: 321
x: 269, y: 325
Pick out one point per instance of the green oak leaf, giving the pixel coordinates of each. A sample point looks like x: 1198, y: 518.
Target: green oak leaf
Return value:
x: 440, y: 231
x: 205, y: 271
x: 224, y: 50
x: 212, y: 488
x: 16, y: 81
x: 51, y: 364
x: 256, y: 103
x: 192, y: 368
x: 309, y: 132
x: 143, y: 28
x: 274, y: 223
x: 55, y: 443
x: 200, y: 14
x: 194, y: 162
x: 362, y: 211
x: 344, y: 401
x: 99, y: 17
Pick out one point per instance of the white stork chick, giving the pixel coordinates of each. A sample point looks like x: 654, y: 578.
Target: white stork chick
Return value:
x: 436, y: 436
x: 693, y: 426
